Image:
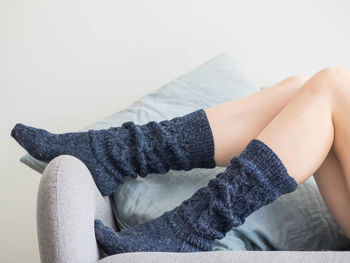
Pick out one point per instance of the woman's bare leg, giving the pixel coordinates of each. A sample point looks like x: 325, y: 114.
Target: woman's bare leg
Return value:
x: 314, y: 126
x: 235, y: 123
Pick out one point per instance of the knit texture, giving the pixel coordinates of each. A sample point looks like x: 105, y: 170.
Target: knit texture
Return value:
x: 253, y: 179
x: 182, y: 143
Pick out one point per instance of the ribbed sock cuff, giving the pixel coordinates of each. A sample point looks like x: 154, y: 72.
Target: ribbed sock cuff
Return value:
x: 271, y: 166
x: 108, y: 178
x: 197, y: 132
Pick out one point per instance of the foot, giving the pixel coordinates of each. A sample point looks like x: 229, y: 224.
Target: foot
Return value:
x: 45, y: 146
x: 155, y: 235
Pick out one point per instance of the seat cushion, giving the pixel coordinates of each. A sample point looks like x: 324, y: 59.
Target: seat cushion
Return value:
x: 230, y: 257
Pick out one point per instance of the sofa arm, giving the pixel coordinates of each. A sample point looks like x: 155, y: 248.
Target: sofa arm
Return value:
x: 68, y: 201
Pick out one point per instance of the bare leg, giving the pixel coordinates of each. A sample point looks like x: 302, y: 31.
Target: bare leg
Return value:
x: 313, y: 123
x: 235, y: 123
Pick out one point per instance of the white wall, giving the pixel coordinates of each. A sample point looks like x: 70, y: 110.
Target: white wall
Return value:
x: 65, y: 64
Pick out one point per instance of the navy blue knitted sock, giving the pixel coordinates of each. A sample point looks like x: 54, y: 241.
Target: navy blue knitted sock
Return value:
x: 181, y: 143
x: 253, y: 179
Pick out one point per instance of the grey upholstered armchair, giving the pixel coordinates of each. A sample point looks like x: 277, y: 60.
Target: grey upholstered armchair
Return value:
x: 69, y: 201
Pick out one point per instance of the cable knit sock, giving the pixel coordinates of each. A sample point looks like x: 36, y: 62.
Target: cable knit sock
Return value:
x: 253, y: 179
x: 181, y: 143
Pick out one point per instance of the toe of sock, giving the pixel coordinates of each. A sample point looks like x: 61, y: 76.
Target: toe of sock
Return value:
x: 26, y: 137
x: 107, y: 238
x: 99, y: 229
x: 17, y: 131
x: 34, y: 141
x: 23, y: 135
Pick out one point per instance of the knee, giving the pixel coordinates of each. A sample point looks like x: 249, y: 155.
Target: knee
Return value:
x: 334, y: 73
x: 294, y: 82
x: 333, y: 76
x: 330, y: 80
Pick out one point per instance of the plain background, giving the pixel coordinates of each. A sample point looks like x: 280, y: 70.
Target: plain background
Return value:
x: 65, y: 64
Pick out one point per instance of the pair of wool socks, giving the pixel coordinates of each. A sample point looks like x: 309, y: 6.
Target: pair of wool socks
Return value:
x: 253, y: 179
x: 182, y: 143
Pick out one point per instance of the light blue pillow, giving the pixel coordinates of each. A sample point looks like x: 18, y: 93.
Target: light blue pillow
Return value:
x: 214, y: 82
x: 295, y: 221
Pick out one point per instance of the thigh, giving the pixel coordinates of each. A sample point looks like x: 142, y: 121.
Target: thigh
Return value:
x: 302, y: 133
x: 235, y: 123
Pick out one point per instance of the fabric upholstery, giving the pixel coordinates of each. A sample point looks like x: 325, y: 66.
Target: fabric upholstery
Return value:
x: 68, y: 201
x: 231, y: 257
